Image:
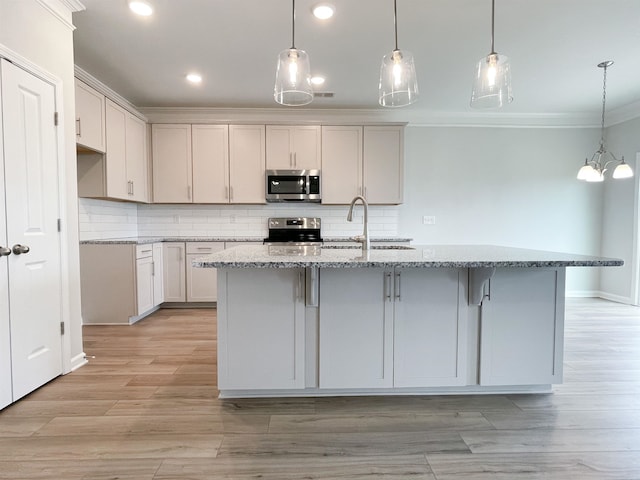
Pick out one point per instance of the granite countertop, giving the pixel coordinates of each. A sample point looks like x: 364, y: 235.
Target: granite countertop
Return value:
x: 442, y: 256
x: 146, y: 240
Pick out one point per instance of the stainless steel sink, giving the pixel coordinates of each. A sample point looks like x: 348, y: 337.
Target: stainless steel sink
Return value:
x: 373, y: 247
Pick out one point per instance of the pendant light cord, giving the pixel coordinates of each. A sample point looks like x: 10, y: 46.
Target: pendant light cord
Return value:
x: 493, y: 23
x: 604, y: 101
x: 293, y: 25
x: 395, y: 22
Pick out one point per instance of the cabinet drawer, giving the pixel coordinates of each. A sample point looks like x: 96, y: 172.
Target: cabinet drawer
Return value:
x: 204, y: 248
x: 144, y: 251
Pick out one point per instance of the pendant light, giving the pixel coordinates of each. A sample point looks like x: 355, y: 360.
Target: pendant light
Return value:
x: 492, y: 83
x: 593, y: 170
x: 398, y: 83
x: 293, y: 76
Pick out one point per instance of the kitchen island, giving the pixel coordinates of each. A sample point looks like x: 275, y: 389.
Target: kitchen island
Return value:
x: 420, y: 319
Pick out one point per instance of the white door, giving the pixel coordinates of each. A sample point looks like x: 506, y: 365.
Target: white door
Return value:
x: 6, y: 395
x: 31, y: 189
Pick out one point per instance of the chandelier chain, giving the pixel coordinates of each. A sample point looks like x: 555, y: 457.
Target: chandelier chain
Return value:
x: 604, y: 102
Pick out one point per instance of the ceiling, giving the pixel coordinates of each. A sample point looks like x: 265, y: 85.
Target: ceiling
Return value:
x: 554, y: 47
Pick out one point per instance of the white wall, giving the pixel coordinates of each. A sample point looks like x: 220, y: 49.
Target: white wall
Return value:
x: 42, y: 33
x: 619, y: 217
x: 504, y: 186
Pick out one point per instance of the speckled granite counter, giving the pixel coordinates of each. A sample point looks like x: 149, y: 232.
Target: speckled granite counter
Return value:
x: 147, y: 240
x: 434, y: 256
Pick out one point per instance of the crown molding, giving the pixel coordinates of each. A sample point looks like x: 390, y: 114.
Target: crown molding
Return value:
x: 93, y: 82
x: 62, y: 10
x: 366, y: 116
x: 623, y: 114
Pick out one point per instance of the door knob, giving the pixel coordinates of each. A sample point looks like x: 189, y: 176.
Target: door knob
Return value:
x: 4, y: 251
x: 20, y: 249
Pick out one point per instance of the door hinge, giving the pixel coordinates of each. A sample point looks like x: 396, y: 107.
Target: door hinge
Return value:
x: 61, y: 328
x: 59, y: 224
x: 55, y: 118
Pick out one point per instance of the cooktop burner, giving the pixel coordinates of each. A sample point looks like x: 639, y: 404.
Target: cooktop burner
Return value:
x: 294, y: 230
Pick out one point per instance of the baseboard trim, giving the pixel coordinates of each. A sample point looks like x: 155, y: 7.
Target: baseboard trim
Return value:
x: 582, y: 294
x: 78, y: 361
x: 615, y: 298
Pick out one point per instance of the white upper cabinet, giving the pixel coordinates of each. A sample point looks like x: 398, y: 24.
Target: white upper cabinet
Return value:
x: 293, y: 147
x: 364, y: 161
x: 116, y: 157
x: 137, y: 159
x: 172, y: 174
x: 90, y: 108
x: 247, y: 164
x: 210, y: 150
x: 341, y: 163
x: 383, y: 164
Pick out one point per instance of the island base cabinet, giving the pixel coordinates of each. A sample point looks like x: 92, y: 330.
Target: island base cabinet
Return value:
x: 522, y: 325
x: 430, y: 334
x: 261, y: 329
x: 355, y: 328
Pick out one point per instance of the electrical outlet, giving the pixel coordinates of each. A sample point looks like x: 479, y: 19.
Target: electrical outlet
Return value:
x: 429, y: 220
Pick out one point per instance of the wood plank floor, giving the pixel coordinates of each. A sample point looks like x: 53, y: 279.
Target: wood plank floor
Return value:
x: 146, y: 408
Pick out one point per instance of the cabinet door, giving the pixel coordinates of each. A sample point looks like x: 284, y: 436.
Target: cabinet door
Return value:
x: 136, y: 154
x: 383, y: 164
x: 261, y: 341
x: 202, y: 283
x: 173, y: 272
x: 430, y: 314
x: 356, y: 328
x: 306, y: 147
x: 116, y: 156
x: 293, y: 147
x: 278, y: 147
x: 341, y: 164
x: 144, y: 284
x: 246, y: 164
x: 158, y: 280
x: 172, y: 177
x: 90, y: 108
x: 210, y: 145
x: 522, y: 324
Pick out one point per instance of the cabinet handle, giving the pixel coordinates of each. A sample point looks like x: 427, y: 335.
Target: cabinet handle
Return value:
x: 132, y: 188
x: 397, y: 286
x: 78, y: 128
x: 226, y: 192
x: 295, y: 159
x: 299, y: 286
x: 387, y: 285
x: 290, y: 159
x: 153, y: 269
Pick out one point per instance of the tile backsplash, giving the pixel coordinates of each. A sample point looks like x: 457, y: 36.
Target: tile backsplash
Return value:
x: 106, y: 219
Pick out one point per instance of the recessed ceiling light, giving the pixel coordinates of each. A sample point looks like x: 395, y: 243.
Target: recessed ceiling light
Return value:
x: 141, y: 7
x: 194, y: 78
x: 317, y: 80
x: 323, y: 11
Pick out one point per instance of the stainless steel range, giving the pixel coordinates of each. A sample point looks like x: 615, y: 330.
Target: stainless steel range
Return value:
x: 294, y: 231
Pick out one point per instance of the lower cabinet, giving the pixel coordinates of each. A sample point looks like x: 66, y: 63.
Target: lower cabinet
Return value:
x: 182, y: 281
x: 382, y: 328
x: 522, y: 327
x: 119, y: 282
x: 261, y: 329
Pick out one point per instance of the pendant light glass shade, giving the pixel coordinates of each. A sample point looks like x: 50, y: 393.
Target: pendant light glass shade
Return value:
x: 293, y: 74
x: 398, y: 81
x: 293, y: 78
x: 492, y: 84
x: 623, y: 170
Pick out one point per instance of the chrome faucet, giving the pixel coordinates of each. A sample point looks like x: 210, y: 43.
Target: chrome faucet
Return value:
x: 364, y: 238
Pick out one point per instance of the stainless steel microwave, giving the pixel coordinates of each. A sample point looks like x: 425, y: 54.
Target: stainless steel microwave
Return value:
x: 293, y: 186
